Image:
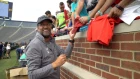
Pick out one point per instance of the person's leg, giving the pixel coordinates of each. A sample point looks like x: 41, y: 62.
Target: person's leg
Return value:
x: 7, y: 56
x: 9, y: 53
x: 0, y: 54
x: 18, y: 55
x: 4, y: 53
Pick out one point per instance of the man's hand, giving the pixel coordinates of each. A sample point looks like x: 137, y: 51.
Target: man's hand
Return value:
x: 115, y: 13
x: 71, y: 34
x: 59, y: 61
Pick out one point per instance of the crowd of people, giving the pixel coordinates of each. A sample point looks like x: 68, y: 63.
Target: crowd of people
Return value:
x: 82, y: 12
x: 5, y: 49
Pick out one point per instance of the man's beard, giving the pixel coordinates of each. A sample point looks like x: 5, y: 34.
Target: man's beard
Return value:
x: 46, y: 35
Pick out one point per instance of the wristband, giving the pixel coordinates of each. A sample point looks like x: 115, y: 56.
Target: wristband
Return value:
x: 101, y: 13
x: 71, y: 41
x: 88, y: 18
x: 119, y: 7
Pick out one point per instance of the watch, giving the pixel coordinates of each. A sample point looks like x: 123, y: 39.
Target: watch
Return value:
x: 71, y: 41
x: 119, y: 7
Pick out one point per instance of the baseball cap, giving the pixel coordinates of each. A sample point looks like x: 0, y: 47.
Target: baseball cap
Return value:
x: 42, y: 18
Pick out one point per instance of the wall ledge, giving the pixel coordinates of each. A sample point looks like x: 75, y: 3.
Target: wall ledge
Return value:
x: 120, y: 28
x: 79, y: 72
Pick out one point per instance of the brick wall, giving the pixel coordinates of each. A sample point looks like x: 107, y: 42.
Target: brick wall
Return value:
x: 119, y: 60
x: 67, y: 75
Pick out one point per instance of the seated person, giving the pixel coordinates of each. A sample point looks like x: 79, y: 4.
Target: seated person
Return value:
x: 22, y: 60
x: 61, y: 18
x: 66, y: 28
x: 69, y: 27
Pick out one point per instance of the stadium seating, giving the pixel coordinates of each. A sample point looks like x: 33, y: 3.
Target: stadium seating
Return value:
x: 21, y: 33
x: 5, y: 32
x: 16, y: 31
x: 29, y: 24
x: 12, y: 23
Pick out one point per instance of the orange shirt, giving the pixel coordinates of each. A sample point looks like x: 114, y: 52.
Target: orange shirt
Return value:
x: 101, y: 29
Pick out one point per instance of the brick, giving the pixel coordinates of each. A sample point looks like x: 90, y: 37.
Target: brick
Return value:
x: 102, y: 66
x: 81, y: 60
x: 65, y: 44
x: 78, y: 54
x: 96, y: 71
x: 109, y: 76
x: 122, y: 54
x: 74, y: 58
x: 62, y: 77
x: 90, y: 63
x: 86, y: 45
x: 123, y: 37
x: 80, y: 40
x: 121, y: 72
x: 95, y: 45
x: 103, y: 52
x: 136, y: 75
x: 137, y: 36
x: 90, y: 51
x: 85, y: 67
x: 73, y: 53
x: 70, y: 75
x: 111, y: 61
x: 96, y: 58
x: 75, y: 49
x: 65, y: 41
x: 112, y: 46
x: 86, y: 56
x: 75, y: 77
x: 131, y: 65
x: 82, y: 50
x: 77, y: 44
x: 71, y: 61
x: 77, y: 64
x: 137, y: 56
x: 130, y: 46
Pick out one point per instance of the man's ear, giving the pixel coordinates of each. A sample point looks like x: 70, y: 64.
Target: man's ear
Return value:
x: 37, y: 28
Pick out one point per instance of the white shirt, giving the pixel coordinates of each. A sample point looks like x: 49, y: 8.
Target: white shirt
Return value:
x: 8, y: 47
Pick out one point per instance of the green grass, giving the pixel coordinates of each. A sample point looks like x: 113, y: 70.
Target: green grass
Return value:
x: 7, y: 63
